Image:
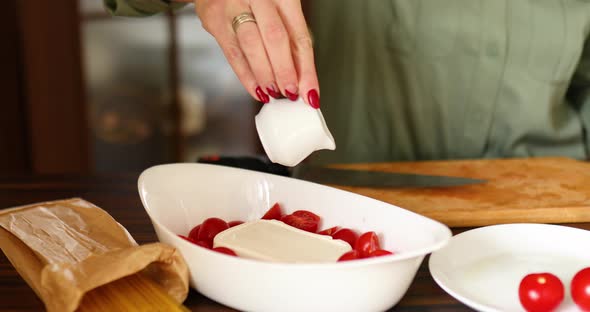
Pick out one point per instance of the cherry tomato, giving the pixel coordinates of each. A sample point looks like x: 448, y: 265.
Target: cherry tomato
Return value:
x: 346, y: 235
x: 210, y: 228
x: 274, y: 213
x: 203, y: 244
x: 194, y: 233
x: 307, y: 215
x: 580, y: 289
x: 187, y: 239
x: 380, y: 252
x: 225, y: 250
x: 367, y: 243
x: 200, y: 243
x: 540, y: 292
x: 329, y: 231
x: 303, y: 220
x: 234, y: 223
x: 351, y: 255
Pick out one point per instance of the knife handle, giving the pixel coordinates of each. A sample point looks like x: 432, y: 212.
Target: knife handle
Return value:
x: 260, y: 164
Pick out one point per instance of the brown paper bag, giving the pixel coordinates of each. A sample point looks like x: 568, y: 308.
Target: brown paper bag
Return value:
x: 66, y: 248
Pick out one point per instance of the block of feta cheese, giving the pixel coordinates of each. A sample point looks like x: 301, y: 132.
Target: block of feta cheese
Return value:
x: 273, y: 240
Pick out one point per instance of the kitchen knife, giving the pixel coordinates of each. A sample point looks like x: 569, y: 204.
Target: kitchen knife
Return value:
x: 342, y: 177
x: 377, y: 179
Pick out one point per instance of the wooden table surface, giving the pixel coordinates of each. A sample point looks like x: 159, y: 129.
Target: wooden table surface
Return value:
x: 117, y: 194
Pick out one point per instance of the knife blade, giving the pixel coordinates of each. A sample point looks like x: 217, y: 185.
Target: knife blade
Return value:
x: 377, y: 179
x: 343, y: 177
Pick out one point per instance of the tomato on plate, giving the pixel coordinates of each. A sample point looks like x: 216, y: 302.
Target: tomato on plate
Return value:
x: 307, y: 215
x: 203, y: 244
x: 380, y: 252
x: 539, y: 292
x: 367, y: 243
x: 225, y: 250
x: 211, y: 227
x: 580, y: 289
x: 329, y: 231
x: 196, y: 242
x: 350, y: 255
x: 234, y: 223
x: 194, y: 233
x: 187, y: 238
x: 274, y: 213
x: 302, y: 219
x: 346, y: 235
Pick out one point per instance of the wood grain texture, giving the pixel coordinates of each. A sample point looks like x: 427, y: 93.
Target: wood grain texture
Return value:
x: 547, y: 190
x: 117, y: 194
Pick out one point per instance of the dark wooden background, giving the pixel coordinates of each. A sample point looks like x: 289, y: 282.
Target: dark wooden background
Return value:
x: 43, y: 127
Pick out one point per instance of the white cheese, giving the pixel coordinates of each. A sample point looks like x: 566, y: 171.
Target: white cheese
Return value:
x: 272, y: 240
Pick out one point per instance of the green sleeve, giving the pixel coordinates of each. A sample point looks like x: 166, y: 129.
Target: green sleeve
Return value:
x: 139, y: 7
x: 579, y: 92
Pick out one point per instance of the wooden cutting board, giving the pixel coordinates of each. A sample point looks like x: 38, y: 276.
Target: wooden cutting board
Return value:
x: 544, y: 190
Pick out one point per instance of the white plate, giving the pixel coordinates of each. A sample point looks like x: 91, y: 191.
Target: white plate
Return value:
x: 483, y: 267
x: 179, y: 196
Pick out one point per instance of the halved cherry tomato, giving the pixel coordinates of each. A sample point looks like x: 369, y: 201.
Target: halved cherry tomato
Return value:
x: 200, y: 243
x: 203, y: 244
x: 303, y: 220
x: 367, y: 243
x: 225, y: 250
x: 346, y: 235
x: 274, y: 213
x: 307, y: 214
x: 351, y: 255
x: 329, y: 231
x: 580, y: 289
x: 380, y: 252
x: 187, y: 239
x: 210, y: 228
x: 194, y: 233
x: 234, y: 223
x: 539, y: 292
x: 300, y: 223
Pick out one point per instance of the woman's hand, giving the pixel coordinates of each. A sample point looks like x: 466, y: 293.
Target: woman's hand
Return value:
x: 271, y: 56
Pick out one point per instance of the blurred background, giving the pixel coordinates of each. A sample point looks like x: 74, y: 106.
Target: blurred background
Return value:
x: 85, y: 92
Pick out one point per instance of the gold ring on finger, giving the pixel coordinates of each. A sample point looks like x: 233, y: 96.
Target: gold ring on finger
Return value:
x: 242, y: 18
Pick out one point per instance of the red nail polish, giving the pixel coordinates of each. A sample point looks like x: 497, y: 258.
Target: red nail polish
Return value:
x: 291, y: 96
x: 273, y: 93
x: 313, y: 98
x: 262, y: 97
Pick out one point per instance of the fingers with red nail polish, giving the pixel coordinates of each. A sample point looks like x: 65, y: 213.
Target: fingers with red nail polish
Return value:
x: 262, y: 97
x: 313, y: 98
x: 273, y: 91
x: 275, y: 53
x: 291, y: 95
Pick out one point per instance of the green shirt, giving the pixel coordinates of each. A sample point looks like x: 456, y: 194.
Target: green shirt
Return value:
x: 431, y: 79
x: 139, y: 7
